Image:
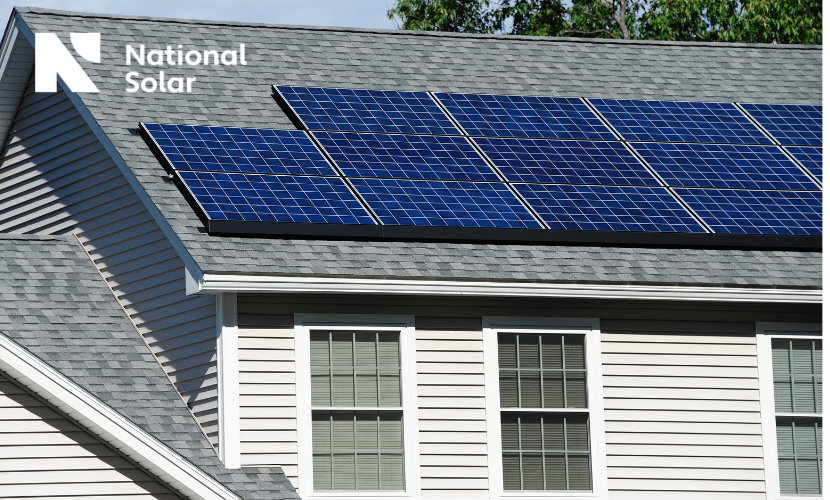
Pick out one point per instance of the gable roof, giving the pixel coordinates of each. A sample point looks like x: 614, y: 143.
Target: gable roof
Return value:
x: 401, y: 60
x: 54, y: 303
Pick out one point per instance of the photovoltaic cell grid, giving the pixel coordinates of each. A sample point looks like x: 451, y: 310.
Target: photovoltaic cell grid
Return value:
x: 405, y: 156
x: 444, y: 203
x: 669, y: 121
x: 739, y: 211
x: 349, y: 110
x: 724, y: 166
x: 275, y: 198
x: 523, y: 116
x: 810, y: 157
x: 609, y: 208
x: 790, y: 124
x: 566, y: 162
x: 228, y: 149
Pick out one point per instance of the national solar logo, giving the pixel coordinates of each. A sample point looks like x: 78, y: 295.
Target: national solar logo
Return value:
x: 53, y: 59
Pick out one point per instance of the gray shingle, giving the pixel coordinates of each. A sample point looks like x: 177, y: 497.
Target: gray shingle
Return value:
x: 387, y: 59
x: 55, y: 304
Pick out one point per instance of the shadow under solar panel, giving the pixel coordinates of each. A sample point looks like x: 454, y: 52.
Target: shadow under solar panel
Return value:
x: 348, y: 110
x: 566, y: 162
x: 739, y: 211
x: 405, y: 156
x: 671, y: 121
x: 724, y: 166
x: 525, y: 116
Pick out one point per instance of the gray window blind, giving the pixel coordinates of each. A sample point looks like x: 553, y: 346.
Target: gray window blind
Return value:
x: 796, y: 366
x: 544, y: 449
x: 356, y: 449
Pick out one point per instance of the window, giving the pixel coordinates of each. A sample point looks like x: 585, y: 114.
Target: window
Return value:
x: 789, y: 368
x: 356, y: 424
x: 549, y: 424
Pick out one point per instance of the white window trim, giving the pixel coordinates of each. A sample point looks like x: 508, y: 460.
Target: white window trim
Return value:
x: 492, y: 325
x: 303, y: 324
x: 765, y: 332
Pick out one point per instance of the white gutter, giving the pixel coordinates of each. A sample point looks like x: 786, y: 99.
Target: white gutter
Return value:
x: 220, y: 283
x: 108, y: 424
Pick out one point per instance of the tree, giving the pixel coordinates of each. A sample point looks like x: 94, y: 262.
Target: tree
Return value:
x: 603, y: 18
x: 460, y: 16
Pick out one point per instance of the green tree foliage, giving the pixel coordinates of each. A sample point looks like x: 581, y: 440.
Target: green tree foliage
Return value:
x: 748, y: 21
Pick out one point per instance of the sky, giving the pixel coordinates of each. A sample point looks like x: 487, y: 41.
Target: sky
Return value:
x: 347, y: 13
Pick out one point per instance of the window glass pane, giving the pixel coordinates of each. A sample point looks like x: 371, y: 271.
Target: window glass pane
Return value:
x: 367, y: 387
x: 365, y: 349
x: 390, y: 388
x: 575, y: 384
x: 531, y: 389
x: 388, y: 349
x: 796, y: 366
x: 799, y: 454
x: 343, y: 387
x: 319, y: 349
x: 786, y: 475
x: 509, y: 389
x: 547, y: 451
x: 528, y: 351
x: 365, y: 451
x: 507, y: 350
x: 574, y: 352
x: 552, y: 351
x: 341, y: 349
x: 320, y: 387
x: 554, y: 389
x: 783, y: 395
x: 809, y: 476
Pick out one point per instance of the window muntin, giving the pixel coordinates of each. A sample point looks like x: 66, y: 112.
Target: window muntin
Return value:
x: 357, y: 417
x: 796, y: 371
x: 543, y: 447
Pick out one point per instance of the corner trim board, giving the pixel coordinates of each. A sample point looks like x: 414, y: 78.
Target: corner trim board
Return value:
x: 227, y: 347
x: 108, y: 424
x: 219, y: 283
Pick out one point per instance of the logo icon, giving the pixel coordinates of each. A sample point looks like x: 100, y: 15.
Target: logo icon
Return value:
x: 52, y: 59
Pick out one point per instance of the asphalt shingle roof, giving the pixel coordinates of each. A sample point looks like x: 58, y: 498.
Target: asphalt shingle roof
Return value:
x: 54, y: 303
x: 387, y: 59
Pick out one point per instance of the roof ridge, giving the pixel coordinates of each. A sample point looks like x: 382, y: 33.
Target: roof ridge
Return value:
x: 399, y: 32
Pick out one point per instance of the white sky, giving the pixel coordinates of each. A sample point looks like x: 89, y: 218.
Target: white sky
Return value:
x: 351, y: 13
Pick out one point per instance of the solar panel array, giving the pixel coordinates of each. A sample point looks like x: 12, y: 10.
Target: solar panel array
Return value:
x: 387, y: 158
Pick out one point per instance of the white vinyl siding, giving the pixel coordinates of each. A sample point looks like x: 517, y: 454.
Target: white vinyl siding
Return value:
x: 451, y: 415
x: 682, y: 416
x: 55, y: 178
x: 268, y: 401
x: 44, y: 455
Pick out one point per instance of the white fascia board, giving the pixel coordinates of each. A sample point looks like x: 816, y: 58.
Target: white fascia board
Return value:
x: 192, y: 270
x: 108, y: 424
x: 220, y: 283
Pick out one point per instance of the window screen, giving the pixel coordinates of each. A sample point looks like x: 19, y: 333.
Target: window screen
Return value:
x: 357, y: 419
x: 796, y: 367
x: 544, y: 419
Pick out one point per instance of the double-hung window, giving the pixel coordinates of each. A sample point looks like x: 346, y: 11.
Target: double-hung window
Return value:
x: 354, y: 408
x: 546, y: 437
x: 789, y: 362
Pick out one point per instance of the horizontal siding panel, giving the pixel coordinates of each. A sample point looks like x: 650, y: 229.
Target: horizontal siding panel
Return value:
x: 640, y: 338
x: 686, y: 473
x: 447, y: 367
x: 247, y: 376
x: 682, y: 404
x: 455, y: 357
x: 453, y: 460
x: 684, y: 450
x: 267, y: 389
x: 266, y: 343
x: 445, y: 345
x: 458, y: 379
x: 24, y: 451
x: 683, y: 427
x: 456, y: 483
x: 689, y: 485
x: 277, y: 424
x: 679, y: 360
x: 679, y: 462
x: 749, y: 372
x: 453, y: 335
x: 427, y: 402
x: 680, y: 382
x: 453, y: 425
x: 683, y: 495
x: 451, y: 391
x: 678, y: 393
x: 678, y: 348
x: 682, y: 416
x: 683, y: 439
x: 266, y: 412
x: 451, y: 413
x: 452, y: 437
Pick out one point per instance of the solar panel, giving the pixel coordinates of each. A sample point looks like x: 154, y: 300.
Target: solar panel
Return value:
x: 274, y: 198
x: 566, y: 162
x: 670, y: 121
x: 608, y: 208
x: 228, y: 149
x: 809, y: 157
x: 739, y: 211
x: 350, y: 110
x: 444, y: 203
x: 724, y: 166
x: 790, y: 124
x: 524, y: 116
x: 406, y: 156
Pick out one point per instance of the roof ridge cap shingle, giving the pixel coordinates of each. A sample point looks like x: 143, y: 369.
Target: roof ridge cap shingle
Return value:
x: 398, y: 32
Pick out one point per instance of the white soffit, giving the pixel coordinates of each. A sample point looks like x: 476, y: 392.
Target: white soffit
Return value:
x: 108, y: 424
x: 219, y: 283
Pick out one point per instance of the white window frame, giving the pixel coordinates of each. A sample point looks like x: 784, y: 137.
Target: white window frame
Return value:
x: 303, y: 324
x: 765, y: 332
x: 492, y: 326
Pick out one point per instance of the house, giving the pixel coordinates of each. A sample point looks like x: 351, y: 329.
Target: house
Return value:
x: 392, y: 367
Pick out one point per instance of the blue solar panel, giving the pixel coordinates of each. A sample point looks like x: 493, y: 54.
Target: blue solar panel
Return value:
x: 566, y: 162
x: 739, y: 211
x: 522, y: 116
x: 272, y: 198
x: 724, y: 166
x: 670, y: 121
x: 790, y: 124
x: 227, y: 149
x: 609, y: 208
x: 810, y: 157
x: 406, y: 156
x: 444, y: 203
x: 349, y: 110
